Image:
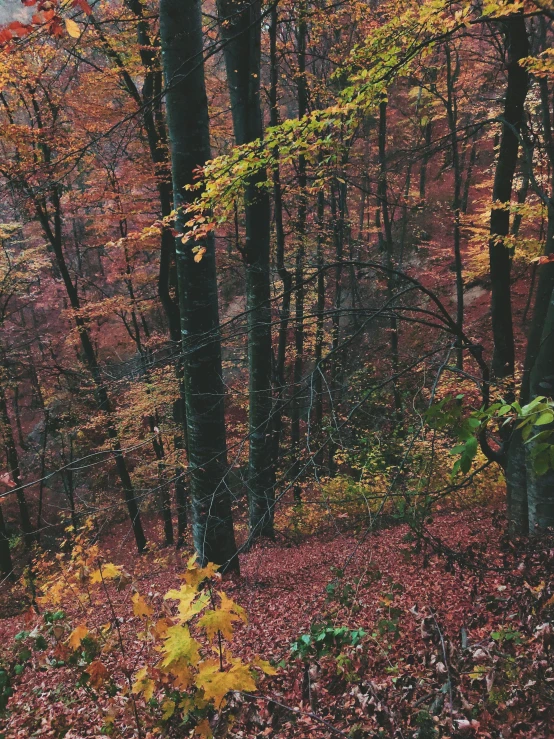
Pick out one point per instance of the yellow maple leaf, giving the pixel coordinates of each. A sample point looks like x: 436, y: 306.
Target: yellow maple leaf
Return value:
x: 217, y: 683
x: 195, y: 575
x: 77, y: 636
x: 182, y: 674
x: 179, y: 644
x: 218, y: 621
x: 168, y: 709
x: 190, y: 603
x: 264, y: 665
x: 221, y: 619
x: 108, y: 571
x: 144, y: 684
x: 141, y: 607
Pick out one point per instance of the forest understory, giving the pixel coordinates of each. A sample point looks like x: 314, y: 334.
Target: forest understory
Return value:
x: 277, y: 369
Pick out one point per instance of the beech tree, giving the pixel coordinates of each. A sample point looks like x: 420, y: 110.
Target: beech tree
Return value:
x: 188, y: 126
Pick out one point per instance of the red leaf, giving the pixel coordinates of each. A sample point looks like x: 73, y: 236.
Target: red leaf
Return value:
x: 5, y: 35
x: 19, y: 28
x: 83, y: 5
x: 546, y: 259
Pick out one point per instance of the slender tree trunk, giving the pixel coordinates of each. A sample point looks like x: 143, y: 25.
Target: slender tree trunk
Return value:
x: 6, y: 564
x: 240, y: 28
x: 469, y: 174
x: 297, y: 395
x: 320, y: 313
x: 428, y: 137
x: 338, y: 206
x: 452, y: 115
x: 188, y: 126
x: 517, y: 47
x: 282, y: 271
x: 42, y: 473
x: 388, y: 243
x: 13, y: 469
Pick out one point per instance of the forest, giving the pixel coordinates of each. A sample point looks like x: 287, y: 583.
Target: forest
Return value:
x: 277, y: 369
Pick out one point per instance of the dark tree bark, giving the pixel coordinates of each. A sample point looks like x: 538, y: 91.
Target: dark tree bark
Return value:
x: 452, y: 115
x: 6, y: 564
x: 12, y: 458
x: 240, y: 28
x: 302, y: 96
x: 284, y: 274
x: 188, y: 126
x: 517, y: 47
x: 428, y: 134
x: 387, y: 242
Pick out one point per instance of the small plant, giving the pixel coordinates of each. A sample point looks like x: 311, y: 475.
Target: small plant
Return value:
x: 325, y: 639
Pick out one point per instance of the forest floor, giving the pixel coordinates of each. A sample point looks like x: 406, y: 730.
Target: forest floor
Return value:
x: 457, y: 641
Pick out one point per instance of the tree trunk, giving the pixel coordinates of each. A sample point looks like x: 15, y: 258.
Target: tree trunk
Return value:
x: 188, y: 125
x: 540, y: 488
x: 297, y: 394
x: 6, y: 565
x: 13, y: 469
x: 517, y: 47
x: 240, y: 28
x: 388, y: 244
x: 452, y: 115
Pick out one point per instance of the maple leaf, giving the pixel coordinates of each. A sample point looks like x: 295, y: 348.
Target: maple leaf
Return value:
x: 217, y: 683
x: 264, y: 665
x: 186, y: 595
x: 108, y: 571
x: 98, y: 673
x: 144, y: 684
x: 195, y: 575
x: 214, y: 621
x: 204, y: 729
x: 222, y: 618
x: 141, y: 607
x: 168, y: 709
x: 183, y: 677
x: 179, y: 644
x: 77, y: 636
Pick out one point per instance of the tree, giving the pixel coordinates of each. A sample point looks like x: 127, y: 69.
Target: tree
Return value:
x: 188, y: 126
x: 240, y: 27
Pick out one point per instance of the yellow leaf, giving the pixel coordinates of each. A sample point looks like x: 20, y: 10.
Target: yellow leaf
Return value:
x: 264, y: 665
x: 204, y: 729
x: 186, y: 596
x: 222, y: 618
x: 72, y: 28
x: 195, y: 575
x: 108, y: 571
x: 229, y: 605
x: 214, y: 621
x: 216, y: 684
x: 183, y: 677
x: 179, y: 644
x: 77, y: 636
x: 143, y: 684
x: 168, y: 709
x: 141, y: 607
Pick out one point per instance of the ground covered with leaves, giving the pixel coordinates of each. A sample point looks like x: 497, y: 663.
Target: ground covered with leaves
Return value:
x: 374, y: 635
